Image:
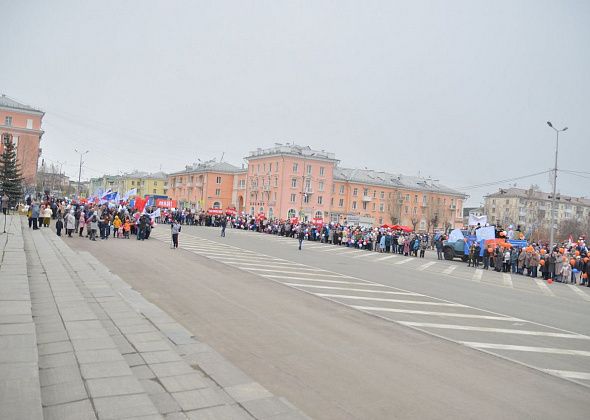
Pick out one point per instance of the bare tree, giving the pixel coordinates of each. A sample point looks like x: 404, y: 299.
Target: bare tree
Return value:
x: 395, y: 208
x: 575, y: 228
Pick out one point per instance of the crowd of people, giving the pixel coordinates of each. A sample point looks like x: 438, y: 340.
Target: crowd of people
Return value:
x: 568, y: 262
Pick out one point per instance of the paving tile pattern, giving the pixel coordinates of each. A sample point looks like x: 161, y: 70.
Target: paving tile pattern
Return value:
x: 77, y: 342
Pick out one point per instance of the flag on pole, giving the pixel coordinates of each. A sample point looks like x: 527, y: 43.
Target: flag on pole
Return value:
x: 130, y: 193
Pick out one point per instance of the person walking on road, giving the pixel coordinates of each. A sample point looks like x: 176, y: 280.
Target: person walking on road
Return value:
x: 223, y: 224
x: 175, y: 228
x: 301, y: 235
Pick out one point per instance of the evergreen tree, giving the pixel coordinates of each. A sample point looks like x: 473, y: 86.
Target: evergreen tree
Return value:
x: 10, y: 175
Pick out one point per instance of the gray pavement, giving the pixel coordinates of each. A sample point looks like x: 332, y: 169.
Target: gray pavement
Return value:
x: 79, y: 343
x: 338, y: 337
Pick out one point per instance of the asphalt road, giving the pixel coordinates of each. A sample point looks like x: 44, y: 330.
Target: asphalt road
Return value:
x: 348, y: 334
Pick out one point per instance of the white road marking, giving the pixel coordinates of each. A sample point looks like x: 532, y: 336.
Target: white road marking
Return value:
x: 413, y: 302
x: 569, y: 374
x: 425, y: 266
x: 577, y: 290
x: 332, y: 248
x: 405, y: 261
x: 449, y: 314
x: 386, y: 258
x: 507, y: 280
x: 316, y: 273
x: 314, y: 286
x: 366, y: 254
x: 494, y: 330
x: 272, y: 276
x: 450, y: 269
x: 531, y: 349
x: 477, y: 275
x: 544, y: 288
x: 293, y: 266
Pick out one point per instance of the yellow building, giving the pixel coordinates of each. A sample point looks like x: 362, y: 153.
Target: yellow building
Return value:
x: 145, y: 183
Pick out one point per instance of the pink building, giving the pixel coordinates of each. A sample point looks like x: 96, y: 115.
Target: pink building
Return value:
x: 288, y: 181
x: 22, y: 124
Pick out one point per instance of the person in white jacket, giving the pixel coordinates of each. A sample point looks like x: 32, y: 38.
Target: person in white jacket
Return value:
x: 47, y: 213
x: 70, y: 223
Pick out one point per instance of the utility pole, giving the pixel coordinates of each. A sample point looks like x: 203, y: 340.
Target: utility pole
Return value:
x: 552, y: 229
x: 80, y: 170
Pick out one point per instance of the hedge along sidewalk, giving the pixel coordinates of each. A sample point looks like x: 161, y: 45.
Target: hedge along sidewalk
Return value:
x: 20, y: 396
x: 181, y: 375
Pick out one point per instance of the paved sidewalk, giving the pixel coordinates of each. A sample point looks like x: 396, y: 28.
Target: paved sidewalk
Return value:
x: 96, y: 349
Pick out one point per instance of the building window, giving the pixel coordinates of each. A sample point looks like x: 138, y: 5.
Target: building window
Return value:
x: 153, y: 191
x: 332, y: 201
x: 218, y: 180
x: 29, y: 123
x: 8, y: 120
x: 364, y: 205
x: 305, y: 198
x: 295, y: 167
x: 155, y: 183
x: 374, y: 204
x: 321, y: 186
x: 276, y: 166
x: 342, y: 189
x: 291, y: 213
x: 293, y: 182
x: 416, y: 198
x: 308, y: 169
x: 132, y: 182
x: 217, y: 205
x: 321, y: 171
x: 366, y: 191
x: 354, y: 205
x: 293, y: 197
x: 381, y: 207
x: 355, y: 192
x: 319, y: 214
x: 414, y: 211
x: 406, y: 209
x: 320, y: 200
x: 383, y: 195
x: 218, y: 192
x: 276, y: 181
x: 252, y: 211
x: 341, y: 202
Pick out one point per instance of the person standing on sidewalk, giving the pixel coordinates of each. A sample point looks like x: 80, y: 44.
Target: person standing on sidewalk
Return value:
x: 70, y: 223
x: 5, y: 200
x: 175, y: 228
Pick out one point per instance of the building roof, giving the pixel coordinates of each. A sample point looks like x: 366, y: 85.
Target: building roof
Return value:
x: 533, y: 194
x: 7, y: 102
x: 210, y: 166
x: 367, y: 176
x: 143, y: 174
x: 292, y: 149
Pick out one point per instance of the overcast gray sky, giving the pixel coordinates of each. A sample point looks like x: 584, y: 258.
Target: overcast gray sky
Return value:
x: 456, y: 90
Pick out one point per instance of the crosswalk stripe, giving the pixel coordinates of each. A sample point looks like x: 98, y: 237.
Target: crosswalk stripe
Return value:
x: 405, y: 261
x: 449, y: 314
x: 544, y: 288
x: 315, y: 273
x: 569, y: 374
x: 293, y: 266
x: 413, y: 302
x: 367, y: 254
x: 450, y: 269
x: 247, y: 259
x: 552, y: 350
x: 272, y: 276
x: 314, y: 286
x: 477, y: 275
x: 386, y: 258
x: 494, y: 330
x: 577, y: 290
x: 425, y: 266
x: 332, y: 249
x: 507, y: 280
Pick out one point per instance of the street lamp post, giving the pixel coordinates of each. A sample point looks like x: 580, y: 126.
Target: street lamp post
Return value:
x: 552, y: 230
x: 80, y: 170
